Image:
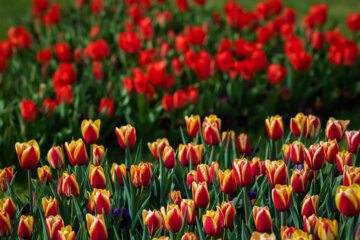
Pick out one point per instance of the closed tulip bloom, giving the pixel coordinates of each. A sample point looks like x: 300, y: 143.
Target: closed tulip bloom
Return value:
x: 158, y: 146
x: 229, y: 212
x: 286, y: 149
x: 44, y: 172
x: 173, y: 218
x: 281, y: 196
x: 331, y: 148
x: 309, y: 205
x: 5, y: 224
x: 203, y: 174
x: 243, y: 144
x: 168, y: 157
x: 351, y: 175
x: 327, y: 229
x: 313, y: 126
x: 298, y: 180
x: 126, y: 136
x: 242, y: 171
x: 101, y: 199
x: 353, y: 140
x: 200, y: 195
x: 275, y: 73
x: 66, y: 233
x: 335, y: 129
x: 120, y: 171
x: 262, y: 219
x: 76, y: 152
x: 211, y: 129
x: 96, y: 227
x: 297, y: 152
x: 189, y: 206
x: 189, y: 236
x: 192, y: 125
x: 315, y: 156
x: 274, y: 127
x: 28, y: 154
x: 213, y: 222
x: 343, y: 158
x: 97, y: 177
x: 90, y: 130
x: 98, y: 152
x: 175, y: 197
x: 310, y: 223
x: 190, y: 178
x: 56, y: 158
x: 190, y: 151
x: 153, y: 220
x: 227, y: 181
x: 53, y: 225
x: 70, y: 186
x: 214, y: 171
x: 257, y: 167
x: 26, y: 227
x: 276, y: 172
x: 50, y: 206
x: 141, y: 174
x: 298, y: 124
x: 6, y: 175
x: 347, y: 199
x: 7, y: 205
x: 294, y: 233
x: 262, y: 236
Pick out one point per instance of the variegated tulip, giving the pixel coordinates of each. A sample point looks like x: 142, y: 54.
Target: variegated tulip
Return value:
x: 66, y: 233
x: 257, y: 167
x: 313, y: 126
x: 331, y: 148
x: 173, y: 218
x: 6, y: 175
x: 335, y: 129
x: 190, y: 178
x: 141, y: 174
x: 274, y: 127
x: 281, y: 196
x: 189, y: 236
x: 158, y: 146
x: 90, y: 130
x: 126, y: 136
x: 211, y: 129
x: 227, y: 138
x: 189, y: 206
x: 96, y: 227
x: 76, y: 152
x: 56, y: 158
x: 200, y: 194
x: 242, y: 171
x: 44, y: 173
x: 26, y: 227
x: 286, y: 149
x: 262, y: 236
x: 190, y: 151
x: 276, y: 172
x: 351, y: 175
x: 98, y: 152
x: 347, y: 199
x: 70, y: 186
x: 227, y: 181
x: 192, y: 125
x: 310, y: 223
x: 298, y: 180
x: 315, y: 156
x: 153, y: 220
x: 327, y: 229
x: 168, y: 157
x: 353, y: 140
x: 53, y: 225
x: 309, y: 205
x: 297, y: 152
x: 343, y: 158
x: 50, y: 206
x: 28, y: 154
x: 8, y: 205
x: 203, y: 174
x: 5, y: 224
x: 97, y: 177
x: 175, y: 197
x: 229, y: 212
x: 294, y: 233
x: 243, y: 144
x: 120, y: 171
x: 101, y: 199
x: 214, y: 171
x: 213, y: 222
x: 297, y: 124
x: 262, y: 219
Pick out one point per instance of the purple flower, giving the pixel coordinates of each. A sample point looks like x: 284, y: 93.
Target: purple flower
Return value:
x: 252, y: 195
x: 125, y: 217
x: 300, y: 167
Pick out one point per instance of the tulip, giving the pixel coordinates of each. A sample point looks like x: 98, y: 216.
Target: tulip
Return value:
x: 214, y: 171
x: 56, y: 158
x: 200, y: 194
x: 98, y: 152
x: 315, y: 156
x: 298, y: 180
x: 162, y: 238
x: 190, y: 178
x: 229, y: 212
x: 227, y: 137
x: 297, y: 124
x: 327, y: 229
x: 120, y: 171
x: 26, y: 227
x: 257, y: 167
x: 28, y: 154
x: 50, y: 206
x: 309, y: 205
x: 227, y: 181
x: 5, y: 224
x: 44, y: 172
x: 126, y: 136
x: 203, y: 174
x: 297, y: 152
x: 242, y: 171
x: 96, y: 226
x: 276, y: 172
x: 53, y: 225
x: 6, y: 175
x: 70, y: 186
x: 168, y: 157
x: 211, y: 129
x: 294, y: 233
x: 313, y: 126
x: 100, y: 198
x: 243, y: 144
x: 192, y: 125
x: 153, y: 220
x: 331, y: 148
x: 347, y: 199
x: 76, y: 152
x: 281, y: 196
x: 90, y: 130
x: 189, y: 206
x: 189, y: 236
x: 286, y: 148
x: 190, y: 151
x: 213, y: 222
x: 310, y: 223
x: 262, y: 236
x: 141, y: 175
x: 274, y: 127
x: 7, y: 205
x: 97, y: 177
x: 66, y: 233
x: 343, y: 158
x: 158, y: 146
x: 173, y: 218
x: 262, y: 219
x: 351, y: 175
x: 353, y: 140
x: 335, y: 129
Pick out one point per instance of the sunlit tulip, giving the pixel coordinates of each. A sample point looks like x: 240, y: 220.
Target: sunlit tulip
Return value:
x: 274, y: 127
x: 189, y: 236
x: 126, y: 136
x: 50, y: 206
x: 28, y: 154
x: 120, y: 171
x: 189, y: 206
x: 141, y: 174
x: 96, y: 227
x: 315, y: 156
x: 229, y: 212
x: 262, y: 219
x: 343, y: 158
x: 53, y: 225
x: 297, y: 124
x: 262, y: 236
x: 153, y: 220
x: 335, y: 129
x: 168, y: 157
x: 351, y: 175
x: 257, y: 167
x: 101, y: 199
x: 6, y: 175
x: 309, y: 205
x: 298, y: 180
x: 327, y: 229
x: 243, y: 144
x: 310, y: 223
x: 297, y: 152
x: 242, y: 171
x: 331, y: 148
x: 286, y: 149
x: 44, y: 173
x: 281, y: 196
x: 211, y: 129
x: 90, y: 130
x: 158, y: 146
x: 213, y: 222
x: 7, y: 205
x: 192, y: 125
x: 98, y: 152
x: 173, y: 218
x: 200, y: 194
x: 313, y: 126
x: 66, y: 233
x: 97, y: 177
x: 26, y: 227
x: 276, y: 172
x: 227, y: 181
x: 203, y: 174
x: 56, y: 158
x: 5, y: 224
x: 190, y: 151
x: 70, y: 186
x: 76, y: 152
x: 175, y: 197
x: 353, y: 140
x: 347, y: 199
x: 190, y: 178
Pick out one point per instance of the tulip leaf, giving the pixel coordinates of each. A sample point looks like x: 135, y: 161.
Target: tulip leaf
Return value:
x: 182, y: 230
x: 46, y: 236
x: 139, y: 212
x: 199, y: 229
x: 182, y: 136
x: 138, y: 152
x: 116, y: 233
x: 78, y: 211
x: 145, y: 235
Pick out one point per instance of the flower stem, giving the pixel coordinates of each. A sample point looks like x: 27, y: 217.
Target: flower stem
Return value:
x: 91, y: 153
x: 30, y: 190
x: 212, y: 154
x: 315, y: 174
x: 245, y: 205
x: 72, y: 210
x: 283, y: 218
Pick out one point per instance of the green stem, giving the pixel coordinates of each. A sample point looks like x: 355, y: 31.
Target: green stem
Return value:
x: 276, y: 150
x: 212, y: 154
x: 140, y: 197
x: 283, y: 218
x: 331, y: 179
x: 314, y: 180
x: 91, y: 154
x: 72, y: 210
x: 30, y: 190
x: 245, y: 205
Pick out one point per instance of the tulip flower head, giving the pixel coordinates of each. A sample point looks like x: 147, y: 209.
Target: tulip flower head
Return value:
x: 97, y: 177
x: 213, y: 222
x: 353, y: 140
x: 141, y: 174
x: 66, y: 233
x: 211, y: 129
x: 53, y: 225
x: 189, y: 236
x: 298, y: 180
x: 101, y: 199
x: 5, y: 224
x: 243, y: 144
x: 190, y: 178
x: 310, y: 223
x: 203, y: 174
x: 7, y: 205
x: 98, y: 152
x: 313, y: 126
x: 200, y: 194
x: 274, y: 127
x: 50, y: 206
x: 343, y: 158
x: 281, y: 196
x: 190, y: 151
x: 6, y: 175
x: 189, y: 206
x: 70, y: 186
x: 168, y: 157
x: 44, y: 173
x: 175, y: 197
x: 173, y: 218
x: 242, y: 171
x: 76, y: 152
x: 126, y: 136
x: 227, y: 181
x: 297, y: 152
x: 262, y: 218
x: 276, y: 172
x: 153, y: 220
x: 56, y: 158
x: 192, y: 125
x: 120, y: 171
x: 286, y: 149
x: 331, y: 148
x: 298, y: 124
x: 262, y: 236
x: 26, y: 227
x: 315, y: 156
x: 158, y: 147
x: 96, y: 227
x: 347, y: 199
x: 90, y: 130
x: 327, y: 229
x: 309, y: 205
x: 335, y: 129
x: 351, y: 175
x: 229, y: 212
x: 28, y: 154
x: 257, y: 167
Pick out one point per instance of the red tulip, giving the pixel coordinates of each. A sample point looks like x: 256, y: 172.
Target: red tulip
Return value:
x: 213, y: 222
x: 44, y: 172
x: 262, y: 219
x: 297, y: 152
x: 257, y: 167
x: 298, y: 124
x: 153, y: 220
x: 173, y: 218
x: 353, y: 22
x: 175, y: 197
x: 76, y: 152
x: 242, y: 171
x: 200, y: 195
x: 8, y: 206
x: 6, y: 175
x: 309, y: 205
x: 190, y: 178
x: 192, y: 125
x: 211, y: 129
x: 343, y: 158
x: 243, y: 144
x: 120, y: 171
x: 98, y: 152
x: 66, y: 233
x: 347, y: 199
x: 97, y: 177
x: 310, y: 224
x: 168, y: 157
x: 5, y: 224
x: 276, y: 172
x: 275, y: 73
x: 229, y: 212
x: 353, y: 140
x: 53, y: 225
x: 331, y: 148
x: 286, y: 149
x: 281, y: 196
x: 189, y: 206
x: 227, y: 181
x: 50, y: 206
x: 351, y: 175
x: 327, y: 229
x: 90, y: 130
x: 313, y: 126
x: 189, y: 236
x: 107, y: 106
x: 190, y: 151
x: 141, y: 174
x: 70, y: 186
x: 129, y: 42
x: 55, y: 157
x: 101, y: 199
x: 274, y: 127
x: 96, y: 226
x: 335, y: 129
x: 63, y: 52
x: 28, y: 154
x: 158, y: 146
x: 315, y: 156
x: 299, y: 180
x: 203, y: 174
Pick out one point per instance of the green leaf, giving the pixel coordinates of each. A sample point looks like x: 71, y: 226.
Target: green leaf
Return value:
x: 78, y: 211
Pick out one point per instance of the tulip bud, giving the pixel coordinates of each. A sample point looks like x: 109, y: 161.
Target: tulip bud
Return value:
x: 299, y: 180
x: 44, y: 172
x: 6, y: 175
x: 26, y: 227
x: 53, y: 225
x: 297, y: 124
x: 175, y: 197
x: 243, y: 144
x: 228, y: 209
x: 227, y: 181
x: 96, y: 227
x: 262, y: 236
x: 97, y: 177
x: 211, y: 129
x: 203, y: 174
x: 192, y: 125
x: 98, y: 154
x: 297, y: 152
x: 313, y: 126
x: 351, y: 175
x: 126, y: 135
x: 70, y: 186
x: 173, y: 218
x: 353, y: 140
x: 56, y: 158
x: 168, y: 157
x: 120, y: 171
x: 66, y: 233
x: 335, y: 129
x: 5, y: 223
x: 157, y: 146
x: 347, y: 199
x: 213, y: 222
x: 214, y: 171
x: 153, y: 220
x: 28, y: 154
x: 242, y: 171
x: 331, y: 148
x: 190, y: 151
x: 50, y: 206
x: 141, y: 175
x: 327, y: 229
x: 262, y: 219
x: 281, y: 196
x: 286, y: 148
x: 190, y: 178
x: 310, y: 223
x: 100, y: 198
x: 189, y: 206
x: 257, y: 167
x: 189, y: 236
x: 343, y: 158
x: 90, y: 130
x: 7, y: 205
x: 76, y: 152
x: 315, y: 156
x: 309, y: 205
x: 276, y: 172
x: 200, y: 194
x: 274, y: 127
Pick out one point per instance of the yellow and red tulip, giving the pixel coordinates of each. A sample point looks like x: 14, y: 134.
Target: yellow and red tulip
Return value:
x: 310, y: 223
x: 257, y: 167
x: 173, y: 218
x: 331, y: 148
x: 227, y: 181
x: 44, y: 172
x: 262, y: 219
x: 297, y: 152
x: 158, y: 146
x: 66, y: 233
x: 315, y: 157
x: 6, y: 175
x: 50, y: 206
x: 190, y: 178
x: 98, y: 152
x: 276, y: 172
x: 294, y: 233
x: 153, y: 220
x: 70, y: 186
x: 211, y: 129
x: 189, y: 236
x: 5, y: 224
x: 126, y: 136
x: 286, y: 149
x: 189, y: 206
x: 192, y: 151
x: 97, y: 177
x: 76, y: 152
x: 229, y: 212
x: 90, y: 130
x: 213, y: 222
x: 281, y: 196
x: 298, y: 180
x: 56, y: 158
x: 351, y: 175
x: 214, y: 171
x: 262, y: 236
x: 53, y: 225
x: 8, y: 205
x: 313, y: 126
x: 242, y: 171
x: 243, y: 144
x: 141, y: 174
x: 347, y: 199
x: 227, y: 136
x: 343, y: 158
x: 200, y: 194
x: 101, y: 199
x: 274, y: 127
x: 175, y: 197
x: 335, y: 129
x: 353, y: 140
x: 26, y: 227
x: 28, y: 154
x: 96, y: 226
x: 120, y: 171
x: 327, y: 229
x: 168, y: 157
x: 297, y: 124
x: 162, y: 238
x: 203, y: 174
x: 309, y: 205
x: 192, y: 125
